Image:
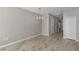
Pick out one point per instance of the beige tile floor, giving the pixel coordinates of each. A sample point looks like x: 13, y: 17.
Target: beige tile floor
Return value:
x: 43, y: 43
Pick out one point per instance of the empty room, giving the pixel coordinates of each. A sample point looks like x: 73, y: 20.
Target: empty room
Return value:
x: 39, y: 29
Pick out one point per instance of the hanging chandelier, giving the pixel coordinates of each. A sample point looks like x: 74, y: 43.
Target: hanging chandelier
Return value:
x: 39, y: 17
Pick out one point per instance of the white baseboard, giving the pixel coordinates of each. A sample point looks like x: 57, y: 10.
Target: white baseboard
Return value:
x: 71, y: 39
x: 75, y: 40
x: 45, y: 34
x: 19, y: 41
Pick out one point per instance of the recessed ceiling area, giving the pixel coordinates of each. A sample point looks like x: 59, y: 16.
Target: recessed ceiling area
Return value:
x: 56, y: 11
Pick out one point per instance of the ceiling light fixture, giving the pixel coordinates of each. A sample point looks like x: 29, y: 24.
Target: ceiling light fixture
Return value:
x: 39, y: 17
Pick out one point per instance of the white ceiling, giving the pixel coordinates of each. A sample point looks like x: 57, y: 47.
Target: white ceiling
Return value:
x: 56, y: 11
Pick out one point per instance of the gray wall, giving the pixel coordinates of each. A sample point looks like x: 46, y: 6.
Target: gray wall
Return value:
x: 45, y: 25
x: 16, y: 24
x: 51, y: 24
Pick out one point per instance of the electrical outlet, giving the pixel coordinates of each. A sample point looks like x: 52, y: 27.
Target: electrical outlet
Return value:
x: 5, y: 38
